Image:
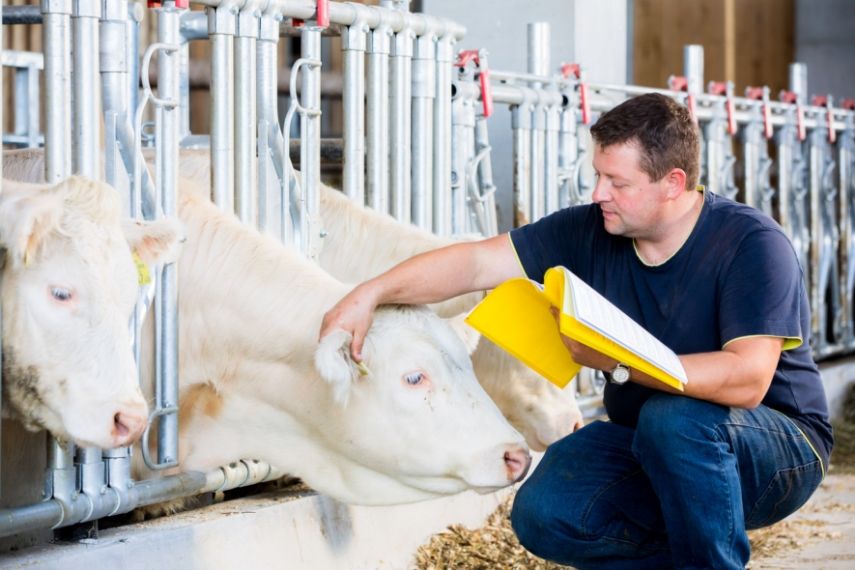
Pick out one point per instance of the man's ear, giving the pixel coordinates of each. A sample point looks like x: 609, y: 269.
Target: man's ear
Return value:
x: 157, y: 241
x: 676, y: 180
x: 467, y: 334
x: 335, y: 365
x: 28, y: 214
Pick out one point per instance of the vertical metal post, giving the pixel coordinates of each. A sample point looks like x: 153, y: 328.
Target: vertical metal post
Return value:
x: 442, y: 138
x: 521, y: 126
x: 569, y: 159
x: 56, y: 38
x: 271, y: 187
x: 353, y: 102
x: 221, y: 29
x: 246, y: 163
x: 114, y: 82
x: 424, y: 93
x: 377, y: 128
x: 487, y: 194
x: 310, y: 141
x: 537, y: 64
x: 86, y: 132
x: 693, y: 68
x: 399, y: 139
x: 845, y: 163
x: 462, y: 109
x: 168, y: 120
x: 550, y: 171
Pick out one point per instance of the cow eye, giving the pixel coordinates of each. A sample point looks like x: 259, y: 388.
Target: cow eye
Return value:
x: 414, y: 378
x: 60, y: 293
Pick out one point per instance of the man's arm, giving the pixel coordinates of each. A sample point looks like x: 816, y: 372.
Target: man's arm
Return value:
x: 739, y: 375
x: 425, y: 278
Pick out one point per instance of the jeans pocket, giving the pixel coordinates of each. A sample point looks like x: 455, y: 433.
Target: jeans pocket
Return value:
x: 788, y: 490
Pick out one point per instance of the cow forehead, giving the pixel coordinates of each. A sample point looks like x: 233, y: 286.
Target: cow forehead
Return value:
x: 416, y: 327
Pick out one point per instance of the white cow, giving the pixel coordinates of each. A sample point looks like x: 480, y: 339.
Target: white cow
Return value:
x: 68, y: 288
x: 361, y: 243
x: 255, y: 383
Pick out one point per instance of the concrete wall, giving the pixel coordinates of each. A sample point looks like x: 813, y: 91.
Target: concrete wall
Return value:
x: 825, y: 41
x: 593, y: 33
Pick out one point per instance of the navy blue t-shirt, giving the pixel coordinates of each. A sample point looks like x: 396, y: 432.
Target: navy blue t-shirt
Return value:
x: 737, y: 275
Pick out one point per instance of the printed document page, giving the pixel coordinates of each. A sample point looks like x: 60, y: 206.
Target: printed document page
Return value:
x: 600, y: 314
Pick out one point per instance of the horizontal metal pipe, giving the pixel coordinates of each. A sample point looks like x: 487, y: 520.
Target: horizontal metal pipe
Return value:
x: 346, y: 14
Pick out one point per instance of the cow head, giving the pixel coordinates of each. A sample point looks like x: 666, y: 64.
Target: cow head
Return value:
x: 414, y: 415
x: 70, y: 281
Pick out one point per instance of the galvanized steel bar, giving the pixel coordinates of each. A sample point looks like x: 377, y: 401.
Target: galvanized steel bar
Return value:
x: 442, y: 209
x: 56, y: 38
x: 400, y: 135
x: 424, y: 93
x: 168, y: 120
x: 114, y: 81
x: 377, y: 113
x: 346, y: 14
x: 521, y: 126
x: 756, y: 163
x: 537, y: 64
x: 270, y: 185
x: 246, y: 161
x: 221, y: 29
x: 353, y: 106
x: 86, y: 142
x: 462, y: 113
x: 310, y: 141
x: 824, y: 242
x: 484, y: 166
x: 550, y: 170
x: 846, y: 184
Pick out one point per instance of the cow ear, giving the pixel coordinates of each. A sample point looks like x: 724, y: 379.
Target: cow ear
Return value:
x: 27, y: 216
x: 157, y: 241
x: 335, y: 365
x: 467, y: 334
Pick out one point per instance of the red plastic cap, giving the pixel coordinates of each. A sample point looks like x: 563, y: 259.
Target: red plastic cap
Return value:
x: 678, y: 83
x: 568, y: 69
x: 848, y: 104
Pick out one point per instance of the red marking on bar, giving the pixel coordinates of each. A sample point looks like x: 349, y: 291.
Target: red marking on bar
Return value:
x: 793, y: 99
x: 759, y: 94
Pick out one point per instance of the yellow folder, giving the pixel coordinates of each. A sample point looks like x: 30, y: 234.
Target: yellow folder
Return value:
x: 516, y: 316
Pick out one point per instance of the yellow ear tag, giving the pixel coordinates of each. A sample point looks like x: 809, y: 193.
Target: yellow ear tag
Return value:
x: 363, y: 370
x: 143, y: 275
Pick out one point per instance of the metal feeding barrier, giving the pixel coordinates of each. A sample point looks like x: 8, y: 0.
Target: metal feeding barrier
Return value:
x: 415, y: 145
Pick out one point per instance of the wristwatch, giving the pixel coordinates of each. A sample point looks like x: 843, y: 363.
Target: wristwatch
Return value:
x: 620, y: 374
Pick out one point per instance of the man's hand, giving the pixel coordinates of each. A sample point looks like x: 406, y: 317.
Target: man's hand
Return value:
x: 353, y: 314
x: 582, y: 354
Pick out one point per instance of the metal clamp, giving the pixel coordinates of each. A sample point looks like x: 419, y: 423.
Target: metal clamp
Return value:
x: 825, y: 101
x: 725, y: 88
x: 479, y: 59
x: 762, y: 94
x: 575, y: 70
x: 322, y: 15
x: 793, y: 98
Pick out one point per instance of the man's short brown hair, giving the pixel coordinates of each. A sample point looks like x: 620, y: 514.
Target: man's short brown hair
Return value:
x: 663, y: 130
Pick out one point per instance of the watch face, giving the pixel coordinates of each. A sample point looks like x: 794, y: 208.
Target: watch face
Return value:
x: 620, y: 374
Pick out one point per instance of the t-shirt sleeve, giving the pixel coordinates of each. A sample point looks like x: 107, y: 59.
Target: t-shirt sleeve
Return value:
x: 763, y: 291
x: 553, y: 240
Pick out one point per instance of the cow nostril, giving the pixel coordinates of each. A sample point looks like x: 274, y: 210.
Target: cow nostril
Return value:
x: 121, y: 429
x: 517, y: 461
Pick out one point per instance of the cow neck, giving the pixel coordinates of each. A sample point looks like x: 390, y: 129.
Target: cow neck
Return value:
x: 252, y: 283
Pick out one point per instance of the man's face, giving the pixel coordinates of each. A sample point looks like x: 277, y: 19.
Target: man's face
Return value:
x: 629, y: 200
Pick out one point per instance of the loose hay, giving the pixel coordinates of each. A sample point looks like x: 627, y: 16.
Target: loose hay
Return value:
x: 492, y: 546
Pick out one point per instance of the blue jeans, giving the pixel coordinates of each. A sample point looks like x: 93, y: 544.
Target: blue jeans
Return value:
x: 679, y: 491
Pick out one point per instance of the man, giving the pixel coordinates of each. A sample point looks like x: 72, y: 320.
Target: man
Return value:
x: 672, y: 480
